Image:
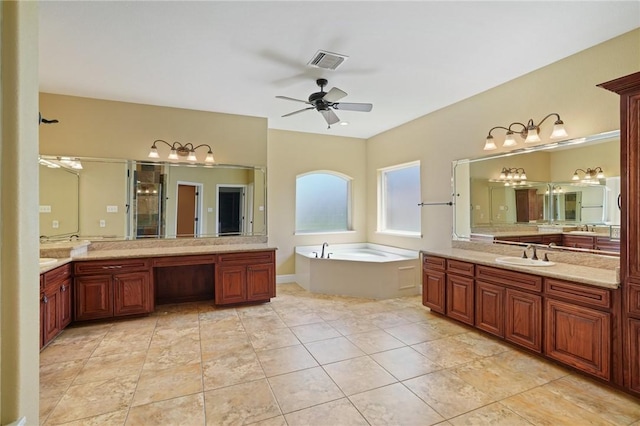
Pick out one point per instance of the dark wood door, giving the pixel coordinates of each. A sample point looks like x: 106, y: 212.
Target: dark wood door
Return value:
x: 524, y: 319
x: 66, y: 303
x: 132, y: 294
x: 490, y: 308
x: 186, y: 214
x: 433, y: 290
x: 94, y: 297
x: 51, y: 301
x: 633, y: 351
x: 260, y: 282
x: 231, y: 285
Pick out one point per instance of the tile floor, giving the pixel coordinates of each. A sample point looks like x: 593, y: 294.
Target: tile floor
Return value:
x: 307, y: 359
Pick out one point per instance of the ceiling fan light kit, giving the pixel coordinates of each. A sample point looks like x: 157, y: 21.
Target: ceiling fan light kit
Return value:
x: 326, y: 102
x: 530, y: 132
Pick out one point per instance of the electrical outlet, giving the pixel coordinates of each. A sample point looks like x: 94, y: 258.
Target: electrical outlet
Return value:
x: 55, y: 224
x: 45, y: 209
x: 112, y: 209
x: 103, y: 223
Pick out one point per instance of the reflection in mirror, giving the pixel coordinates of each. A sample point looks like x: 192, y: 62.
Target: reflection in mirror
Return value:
x: 119, y: 199
x: 487, y: 202
x: 59, y: 190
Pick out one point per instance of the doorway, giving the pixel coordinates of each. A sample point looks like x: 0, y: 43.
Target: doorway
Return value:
x: 231, y: 209
x: 188, y: 209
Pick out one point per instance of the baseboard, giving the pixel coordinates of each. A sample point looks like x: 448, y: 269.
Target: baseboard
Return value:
x: 285, y: 279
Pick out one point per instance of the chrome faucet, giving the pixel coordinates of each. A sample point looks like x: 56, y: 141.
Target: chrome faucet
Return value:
x: 323, y: 247
x: 535, y: 252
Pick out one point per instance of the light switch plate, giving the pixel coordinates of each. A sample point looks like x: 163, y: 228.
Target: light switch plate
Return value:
x: 112, y: 209
x: 45, y: 209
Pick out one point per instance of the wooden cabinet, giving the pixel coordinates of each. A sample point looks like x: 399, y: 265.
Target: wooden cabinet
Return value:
x: 434, y: 281
x: 578, y: 241
x: 490, y: 308
x: 460, y: 291
x: 628, y: 87
x: 523, y: 319
x: 55, y: 303
x: 607, y: 244
x: 109, y: 288
x: 245, y: 277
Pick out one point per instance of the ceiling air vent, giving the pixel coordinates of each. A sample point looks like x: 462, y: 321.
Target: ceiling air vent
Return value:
x: 327, y: 60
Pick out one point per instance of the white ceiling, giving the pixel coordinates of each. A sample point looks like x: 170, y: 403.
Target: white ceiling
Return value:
x: 407, y: 58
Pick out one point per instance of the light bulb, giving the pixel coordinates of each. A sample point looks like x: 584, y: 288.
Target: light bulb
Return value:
x: 209, y: 158
x: 532, y: 134
x: 192, y: 156
x: 154, y: 152
x: 489, y: 144
x: 558, y: 130
x: 523, y: 176
x: 173, y: 155
x: 509, y: 140
x: 575, y: 176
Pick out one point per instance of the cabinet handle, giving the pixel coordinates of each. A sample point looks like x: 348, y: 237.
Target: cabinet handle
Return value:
x: 63, y: 288
x: 45, y: 299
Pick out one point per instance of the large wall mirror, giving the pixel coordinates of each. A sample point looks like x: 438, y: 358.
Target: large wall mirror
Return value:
x: 119, y: 199
x: 536, y: 187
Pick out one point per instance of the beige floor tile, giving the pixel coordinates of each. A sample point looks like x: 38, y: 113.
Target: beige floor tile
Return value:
x: 303, y: 389
x: 274, y: 421
x: 297, y: 316
x: 340, y: 412
x: 48, y: 404
x: 412, y: 334
x: 55, y: 378
x: 241, y: 404
x: 385, y: 320
x: 415, y: 314
x: 169, y: 336
x: 447, y: 327
x: 107, y: 367
x: 613, y: 406
x: 226, y: 325
x: 394, y: 405
x: 272, y: 339
x: 161, y: 357
x: 521, y: 362
x: 158, y: 385
x: 405, y: 363
x: 446, y: 352
x: 258, y: 323
x: 186, y: 410
x: 448, y: 394
x: 333, y: 350
x: 115, y: 418
x: 231, y: 370
x: 374, y: 341
x: 314, y: 332
x: 122, y: 342
x: 358, y: 375
x: 225, y: 346
x: 494, y: 414
x: 213, y: 314
x: 352, y: 325
x: 68, y: 350
x: 285, y: 360
x: 481, y: 344
x: 542, y: 407
x: 94, y: 398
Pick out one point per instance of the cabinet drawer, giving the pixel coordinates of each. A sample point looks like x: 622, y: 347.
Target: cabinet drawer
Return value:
x: 432, y: 262
x: 510, y: 278
x: 593, y: 296
x: 184, y: 260
x: 633, y: 299
x: 458, y: 267
x: 111, y: 266
x: 57, y: 275
x: 244, y: 258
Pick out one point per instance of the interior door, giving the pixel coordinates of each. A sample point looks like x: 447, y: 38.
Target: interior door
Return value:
x: 186, y: 217
x: 230, y: 211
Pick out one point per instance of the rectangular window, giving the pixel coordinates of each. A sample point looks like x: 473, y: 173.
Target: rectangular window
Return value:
x: 398, y: 199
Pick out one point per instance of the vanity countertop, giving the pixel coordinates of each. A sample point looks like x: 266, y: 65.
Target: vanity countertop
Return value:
x: 577, y: 273
x: 158, y: 252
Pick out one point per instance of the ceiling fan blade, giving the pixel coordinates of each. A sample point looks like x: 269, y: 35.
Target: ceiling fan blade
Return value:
x: 329, y: 116
x: 333, y: 95
x: 296, y: 112
x: 346, y: 106
x: 293, y: 99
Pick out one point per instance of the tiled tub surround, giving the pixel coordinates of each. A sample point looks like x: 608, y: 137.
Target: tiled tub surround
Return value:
x: 308, y: 359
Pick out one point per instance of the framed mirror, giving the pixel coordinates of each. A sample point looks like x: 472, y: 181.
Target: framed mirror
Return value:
x: 539, y: 187
x: 126, y: 199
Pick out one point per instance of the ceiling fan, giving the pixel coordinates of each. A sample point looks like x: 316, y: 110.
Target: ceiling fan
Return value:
x: 326, y: 102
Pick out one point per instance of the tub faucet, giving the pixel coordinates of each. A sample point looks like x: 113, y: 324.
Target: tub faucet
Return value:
x: 323, y: 247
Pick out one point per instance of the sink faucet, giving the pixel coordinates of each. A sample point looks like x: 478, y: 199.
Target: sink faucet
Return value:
x: 323, y: 247
x: 535, y: 252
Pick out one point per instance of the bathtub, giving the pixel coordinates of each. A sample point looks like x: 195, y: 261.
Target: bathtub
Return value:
x: 360, y: 270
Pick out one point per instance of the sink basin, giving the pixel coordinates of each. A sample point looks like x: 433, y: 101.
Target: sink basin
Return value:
x: 582, y: 232
x: 518, y: 261
x: 44, y: 261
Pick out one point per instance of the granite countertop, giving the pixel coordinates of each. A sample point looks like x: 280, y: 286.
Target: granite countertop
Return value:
x: 157, y: 252
x: 577, y: 273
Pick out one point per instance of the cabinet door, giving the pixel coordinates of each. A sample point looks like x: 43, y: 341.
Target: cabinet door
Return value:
x: 633, y: 354
x: 51, y: 323
x: 231, y: 285
x: 579, y: 337
x: 66, y: 300
x: 524, y: 319
x: 260, y: 282
x: 94, y: 297
x: 132, y: 294
x: 490, y: 308
x: 460, y: 298
x: 433, y: 290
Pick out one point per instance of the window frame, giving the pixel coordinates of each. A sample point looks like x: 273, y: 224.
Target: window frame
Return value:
x: 381, y: 204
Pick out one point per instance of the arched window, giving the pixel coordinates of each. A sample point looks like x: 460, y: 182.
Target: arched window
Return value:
x: 323, y: 202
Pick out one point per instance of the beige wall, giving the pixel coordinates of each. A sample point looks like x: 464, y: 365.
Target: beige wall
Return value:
x: 108, y: 129
x: 293, y: 153
x: 59, y: 191
x: 567, y: 87
x: 19, y: 293
x: 103, y: 184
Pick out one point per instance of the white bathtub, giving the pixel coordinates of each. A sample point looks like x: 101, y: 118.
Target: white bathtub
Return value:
x: 360, y: 270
